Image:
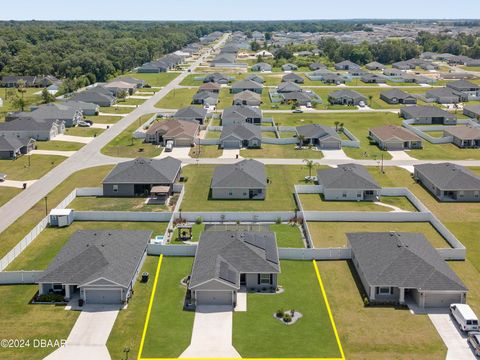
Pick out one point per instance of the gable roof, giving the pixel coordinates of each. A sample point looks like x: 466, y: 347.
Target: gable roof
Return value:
x: 347, y: 176
x: 246, y: 84
x: 317, y: 131
x: 288, y: 86
x: 13, y: 143
x: 396, y: 93
x: 241, y: 112
x: 145, y: 171
x: 402, y: 260
x: 92, y: 254
x: 244, y: 174
x: 346, y: 93
x: 448, y: 176
x: 292, y: 77
x: 464, y: 132
x: 463, y: 85
x: 174, y: 128
x: 416, y: 111
x: 255, y: 77
x: 224, y: 255
x: 393, y: 132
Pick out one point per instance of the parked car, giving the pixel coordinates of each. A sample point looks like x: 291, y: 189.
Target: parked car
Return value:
x: 3, y: 177
x: 83, y: 124
x: 361, y: 104
x: 89, y: 122
x: 464, y: 316
x: 474, y: 341
x: 169, y: 146
x: 297, y: 111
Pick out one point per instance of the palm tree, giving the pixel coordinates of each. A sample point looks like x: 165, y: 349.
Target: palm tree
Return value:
x: 301, y: 139
x: 336, y: 125
x: 21, y: 87
x: 310, y: 164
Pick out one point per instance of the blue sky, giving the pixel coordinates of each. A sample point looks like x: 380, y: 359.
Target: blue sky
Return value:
x: 235, y: 10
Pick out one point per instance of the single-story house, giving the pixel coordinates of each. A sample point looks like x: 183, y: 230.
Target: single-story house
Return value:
x: 464, y: 136
x: 404, y: 65
x: 374, y: 65
x: 241, y: 114
x: 449, y: 182
x: 205, y: 98
x: 13, y: 147
x: 210, y: 86
x: 302, y: 98
x: 393, y: 137
x: 472, y: 111
x: 244, y: 180
x: 53, y: 111
x: 256, y: 78
x: 243, y: 85
x: 11, y: 81
x: 87, y: 109
x: 346, y: 97
x: 393, y: 72
x: 428, y: 115
x: 241, y: 136
x: 332, y: 78
x: 286, y: 87
x: 101, y: 265
x: 217, y: 78
x: 316, y: 66
x: 397, y: 96
x: 138, y: 177
x: 191, y: 113
x: 325, y: 137
x: 348, y: 182
x: 346, y: 65
x: 139, y: 83
x: 181, y: 132
x: 31, y: 128
x: 226, y: 260
x: 247, y: 97
x: 289, y: 67
x: 297, y: 79
x: 116, y: 87
x: 373, y: 78
x: 261, y: 66
x: 96, y: 95
x: 357, y: 72
x: 466, y: 87
x: 446, y: 95
x: 394, y: 266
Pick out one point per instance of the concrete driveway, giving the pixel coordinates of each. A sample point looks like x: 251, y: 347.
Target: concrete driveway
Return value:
x: 177, y: 153
x: 71, y: 138
x: 335, y: 155
x: 89, y: 335
x: 212, y: 333
x: 230, y: 154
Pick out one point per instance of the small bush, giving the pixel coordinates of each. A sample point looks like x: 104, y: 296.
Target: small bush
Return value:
x: 287, y: 318
x: 50, y: 298
x: 198, y: 220
x: 292, y: 312
x: 366, y: 302
x: 279, y: 313
x: 278, y: 221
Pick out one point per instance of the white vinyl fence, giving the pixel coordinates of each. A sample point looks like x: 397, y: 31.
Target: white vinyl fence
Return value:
x: 19, y: 277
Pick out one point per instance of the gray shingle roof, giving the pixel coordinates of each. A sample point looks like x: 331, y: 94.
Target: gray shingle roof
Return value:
x: 190, y: 112
x: 11, y: 143
x: 288, y: 86
x: 463, y: 85
x: 317, y: 131
x: 346, y: 93
x: 241, y: 112
x: 448, y: 176
x: 145, y: 171
x: 244, y: 131
x: 27, y: 124
x: 402, y: 260
x: 396, y: 93
x: 246, y: 84
x: 224, y: 255
x: 92, y: 254
x: 347, y: 176
x: 244, y: 174
x: 411, y: 112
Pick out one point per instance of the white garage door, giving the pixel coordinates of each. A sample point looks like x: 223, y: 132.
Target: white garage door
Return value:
x: 214, y: 297
x: 103, y: 296
x: 441, y: 300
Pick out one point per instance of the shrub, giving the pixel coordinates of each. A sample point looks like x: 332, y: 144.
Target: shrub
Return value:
x: 278, y: 221
x: 292, y: 312
x: 287, y: 318
x: 366, y: 302
x: 279, y: 313
x: 198, y: 220
x: 50, y: 298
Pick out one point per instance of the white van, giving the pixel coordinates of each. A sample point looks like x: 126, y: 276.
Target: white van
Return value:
x: 465, y: 317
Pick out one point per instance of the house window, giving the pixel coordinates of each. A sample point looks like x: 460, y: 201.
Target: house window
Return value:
x: 230, y: 193
x: 344, y: 195
x: 115, y: 188
x: 264, y: 278
x: 384, y: 290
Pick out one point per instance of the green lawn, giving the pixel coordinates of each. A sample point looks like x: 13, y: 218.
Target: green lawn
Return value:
x: 333, y: 234
x: 444, y: 152
x: 128, y: 327
x: 383, y: 332
x: 124, y: 145
x: 288, y: 236
x: 190, y: 80
x: 58, y: 145
x: 104, y: 119
x: 176, y: 99
x: 206, y: 151
x: 315, y: 202
x: 29, y: 167
x: 88, y: 203
x: 116, y: 110
x: 83, y: 131
x: 160, y: 79
x: 46, y: 246
x: 281, y: 152
x: 91, y: 177
x: 9, y: 94
x: 225, y: 99
x: 279, y: 191
x: 170, y: 327
x: 256, y: 333
x: 197, y: 230
x: 132, y: 101
x: 7, y: 193
x: 21, y: 320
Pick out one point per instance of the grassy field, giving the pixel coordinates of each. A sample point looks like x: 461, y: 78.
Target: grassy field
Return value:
x: 444, y: 152
x: 116, y: 110
x: 160, y: 79
x: 124, y: 145
x: 29, y: 167
x: 279, y: 191
x: 8, y: 95
x: 91, y: 177
x: 47, y: 245
x: 333, y: 234
x: 251, y: 327
x: 190, y: 80
x: 7, y: 193
x: 225, y: 99
x: 114, y: 204
x: 288, y: 236
x: 104, y: 119
x: 176, y: 99
x: 58, y: 145
x: 376, y: 332
x: 132, y: 101
x: 21, y: 320
x: 204, y: 151
x: 282, y: 152
x: 128, y: 327
x: 83, y: 131
x: 170, y: 328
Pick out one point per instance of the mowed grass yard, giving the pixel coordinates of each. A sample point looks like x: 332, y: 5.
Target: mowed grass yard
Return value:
x: 170, y: 327
x: 7, y: 193
x: 100, y: 203
x: 83, y: 131
x: 104, y: 119
x: 8, y: 94
x: 155, y: 80
x: 124, y: 145
x: 444, y: 152
x: 281, y: 152
x: 256, y: 333
x: 205, y: 151
x: 58, y: 145
x: 176, y: 99
x: 334, y: 234
x: 34, y: 168
x: 46, y: 246
x: 376, y: 332
x: 279, y: 191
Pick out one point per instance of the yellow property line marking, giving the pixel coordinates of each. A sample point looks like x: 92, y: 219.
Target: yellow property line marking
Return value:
x: 324, y: 294
x: 152, y: 297
x: 328, y: 309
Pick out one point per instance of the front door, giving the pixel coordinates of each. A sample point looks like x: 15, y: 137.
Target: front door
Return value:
x: 243, y: 279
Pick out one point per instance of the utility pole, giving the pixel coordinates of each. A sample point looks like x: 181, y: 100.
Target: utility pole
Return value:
x: 46, y: 205
x: 382, y: 164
